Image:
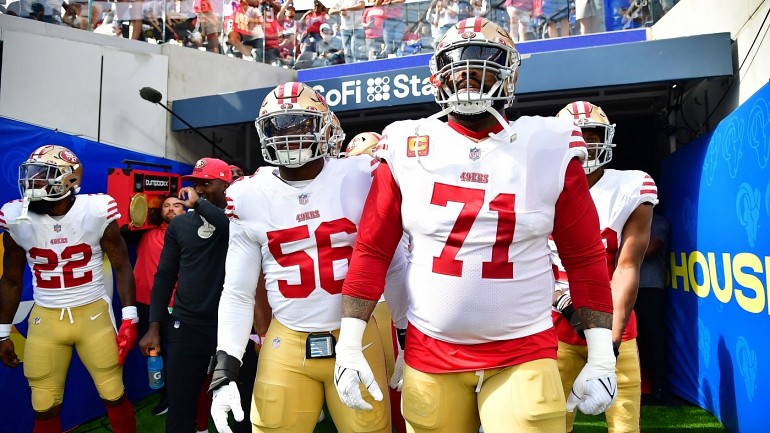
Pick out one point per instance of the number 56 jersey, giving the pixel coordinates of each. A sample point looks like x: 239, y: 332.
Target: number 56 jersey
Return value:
x: 478, y: 214
x: 65, y: 254
x: 304, y: 235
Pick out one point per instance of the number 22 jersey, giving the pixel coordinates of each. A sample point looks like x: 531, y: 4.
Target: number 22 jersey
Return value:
x: 64, y: 254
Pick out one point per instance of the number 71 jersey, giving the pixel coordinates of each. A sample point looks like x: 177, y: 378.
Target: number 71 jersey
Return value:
x: 478, y: 214
x: 65, y: 254
x: 305, y: 235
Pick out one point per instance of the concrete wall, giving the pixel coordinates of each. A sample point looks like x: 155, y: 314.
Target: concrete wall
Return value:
x: 88, y: 85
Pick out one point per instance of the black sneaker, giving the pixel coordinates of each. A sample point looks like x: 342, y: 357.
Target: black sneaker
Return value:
x: 160, y: 409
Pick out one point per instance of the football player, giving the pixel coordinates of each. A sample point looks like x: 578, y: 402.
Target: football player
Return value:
x: 63, y: 237
x: 297, y: 224
x: 478, y: 197
x: 624, y: 201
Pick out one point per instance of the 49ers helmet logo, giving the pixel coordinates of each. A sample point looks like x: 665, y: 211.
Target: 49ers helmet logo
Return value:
x: 68, y: 156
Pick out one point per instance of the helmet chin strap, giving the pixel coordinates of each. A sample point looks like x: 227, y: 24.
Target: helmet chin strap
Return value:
x: 511, y: 135
x: 23, y: 218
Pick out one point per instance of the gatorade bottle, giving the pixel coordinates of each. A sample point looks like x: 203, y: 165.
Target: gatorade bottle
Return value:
x: 155, y: 370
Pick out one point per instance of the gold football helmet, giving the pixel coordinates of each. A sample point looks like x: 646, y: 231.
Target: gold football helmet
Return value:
x: 474, y: 43
x: 587, y: 115
x: 50, y: 173
x: 363, y: 144
x: 294, y: 125
x: 337, y: 138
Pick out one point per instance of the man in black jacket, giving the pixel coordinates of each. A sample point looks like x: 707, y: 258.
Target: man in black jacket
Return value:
x: 193, y: 253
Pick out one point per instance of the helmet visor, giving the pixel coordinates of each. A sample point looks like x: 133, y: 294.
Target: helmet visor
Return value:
x: 471, y: 53
x: 283, y: 125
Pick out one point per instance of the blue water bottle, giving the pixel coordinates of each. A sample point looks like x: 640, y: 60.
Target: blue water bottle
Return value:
x: 155, y: 370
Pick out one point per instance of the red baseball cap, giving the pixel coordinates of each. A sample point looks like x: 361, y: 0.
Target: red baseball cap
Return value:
x: 210, y: 168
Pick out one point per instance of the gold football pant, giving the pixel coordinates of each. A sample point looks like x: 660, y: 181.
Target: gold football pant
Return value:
x: 51, y: 336
x: 290, y: 390
x: 623, y: 415
x: 517, y: 399
x: 384, y: 325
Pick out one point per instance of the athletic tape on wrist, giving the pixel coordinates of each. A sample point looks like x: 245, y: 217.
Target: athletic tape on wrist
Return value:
x: 129, y: 313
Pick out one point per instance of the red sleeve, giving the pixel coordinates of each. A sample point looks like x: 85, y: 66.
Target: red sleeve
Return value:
x: 576, y: 234
x: 379, y: 233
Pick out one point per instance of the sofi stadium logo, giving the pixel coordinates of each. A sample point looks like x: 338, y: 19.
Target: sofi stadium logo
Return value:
x: 371, y: 91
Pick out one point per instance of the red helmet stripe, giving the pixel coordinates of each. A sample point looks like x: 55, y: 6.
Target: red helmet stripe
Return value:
x: 285, y: 93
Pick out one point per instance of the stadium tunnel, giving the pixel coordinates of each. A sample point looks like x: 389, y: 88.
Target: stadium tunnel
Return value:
x: 644, y: 101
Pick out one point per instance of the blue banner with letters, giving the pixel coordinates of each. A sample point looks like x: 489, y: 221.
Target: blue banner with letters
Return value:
x: 716, y: 193
x: 81, y: 401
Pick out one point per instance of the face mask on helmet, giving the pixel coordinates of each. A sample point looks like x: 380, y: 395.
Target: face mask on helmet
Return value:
x: 337, y: 137
x: 290, y: 139
x: 51, y: 173
x: 474, y: 46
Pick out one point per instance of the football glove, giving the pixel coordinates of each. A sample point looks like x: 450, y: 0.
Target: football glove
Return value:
x: 224, y: 390
x: 351, y: 367
x: 397, y: 379
x: 596, y: 387
x: 127, y: 335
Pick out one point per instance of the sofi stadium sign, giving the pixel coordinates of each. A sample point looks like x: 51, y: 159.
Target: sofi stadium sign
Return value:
x: 405, y: 86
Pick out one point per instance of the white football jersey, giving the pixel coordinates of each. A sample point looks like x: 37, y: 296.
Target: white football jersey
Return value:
x: 478, y: 215
x: 64, y: 254
x: 616, y: 196
x: 305, y: 235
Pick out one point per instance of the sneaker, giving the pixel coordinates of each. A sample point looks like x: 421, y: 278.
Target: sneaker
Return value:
x: 160, y: 409
x: 321, y: 417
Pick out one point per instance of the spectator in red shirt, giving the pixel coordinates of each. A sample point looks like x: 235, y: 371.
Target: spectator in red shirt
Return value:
x: 312, y: 21
x: 147, y: 258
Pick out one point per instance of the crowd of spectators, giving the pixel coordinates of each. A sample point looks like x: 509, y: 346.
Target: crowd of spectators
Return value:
x: 271, y: 31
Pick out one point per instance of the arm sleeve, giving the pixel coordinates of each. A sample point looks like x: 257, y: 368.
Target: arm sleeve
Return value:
x: 214, y: 215
x: 165, y: 276
x: 378, y: 235
x: 577, y: 238
x: 236, y: 306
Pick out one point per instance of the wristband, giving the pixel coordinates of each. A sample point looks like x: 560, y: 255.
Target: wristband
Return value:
x: 616, y: 349
x: 129, y: 313
x: 564, y: 306
x: 5, y: 330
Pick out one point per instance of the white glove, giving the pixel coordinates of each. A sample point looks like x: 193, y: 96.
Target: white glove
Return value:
x: 351, y: 367
x: 226, y: 399
x: 397, y: 379
x: 596, y: 387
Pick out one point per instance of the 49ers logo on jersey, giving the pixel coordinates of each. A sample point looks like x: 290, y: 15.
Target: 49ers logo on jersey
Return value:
x: 417, y: 145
